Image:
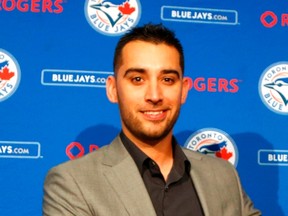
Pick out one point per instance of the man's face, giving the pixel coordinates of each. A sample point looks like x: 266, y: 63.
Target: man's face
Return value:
x: 149, y: 88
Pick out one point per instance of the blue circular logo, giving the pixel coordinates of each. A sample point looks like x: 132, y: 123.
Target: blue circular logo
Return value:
x: 213, y: 142
x: 113, y: 17
x: 9, y: 75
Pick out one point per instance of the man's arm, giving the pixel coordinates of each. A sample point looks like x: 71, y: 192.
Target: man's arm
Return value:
x: 62, y: 195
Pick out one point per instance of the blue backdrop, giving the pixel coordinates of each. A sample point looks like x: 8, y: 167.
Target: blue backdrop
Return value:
x: 55, y: 56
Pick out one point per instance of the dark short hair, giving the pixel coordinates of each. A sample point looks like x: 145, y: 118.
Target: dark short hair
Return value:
x: 149, y: 33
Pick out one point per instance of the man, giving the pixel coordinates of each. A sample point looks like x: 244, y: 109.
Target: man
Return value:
x: 144, y: 171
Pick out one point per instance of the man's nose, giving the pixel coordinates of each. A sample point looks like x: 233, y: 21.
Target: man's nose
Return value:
x: 154, y: 92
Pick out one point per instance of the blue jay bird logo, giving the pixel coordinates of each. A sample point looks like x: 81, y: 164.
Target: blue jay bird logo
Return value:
x: 9, y: 75
x: 5, y: 74
x: 215, y: 143
x: 3, y: 64
x: 273, y: 87
x: 113, y: 17
x: 212, y: 148
x: 281, y: 87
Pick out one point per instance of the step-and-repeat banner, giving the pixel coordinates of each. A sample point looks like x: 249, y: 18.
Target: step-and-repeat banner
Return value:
x: 55, y: 57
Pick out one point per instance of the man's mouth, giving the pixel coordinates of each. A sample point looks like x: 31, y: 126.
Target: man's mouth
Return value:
x: 155, y: 115
x: 153, y: 112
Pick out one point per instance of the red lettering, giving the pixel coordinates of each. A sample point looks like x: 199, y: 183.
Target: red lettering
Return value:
x: 35, y: 6
x: 214, y: 84
x: 8, y: 5
x: 233, y: 84
x: 74, y: 145
x: 22, y: 5
x: 272, y: 16
x: 199, y: 84
x: 222, y: 85
x: 47, y: 6
x: 76, y: 150
x: 211, y: 85
x: 284, y: 20
x: 93, y: 147
x: 59, y: 8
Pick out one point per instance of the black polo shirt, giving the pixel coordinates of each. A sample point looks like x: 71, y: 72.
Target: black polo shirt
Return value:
x: 174, y: 197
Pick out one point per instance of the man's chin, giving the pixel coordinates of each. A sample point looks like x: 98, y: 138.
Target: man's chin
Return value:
x: 152, y: 137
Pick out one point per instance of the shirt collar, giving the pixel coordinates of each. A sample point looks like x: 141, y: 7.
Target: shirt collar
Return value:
x: 181, y: 163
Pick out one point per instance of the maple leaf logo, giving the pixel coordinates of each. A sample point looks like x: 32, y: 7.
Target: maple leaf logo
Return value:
x: 224, y: 154
x: 5, y: 74
x: 126, y: 9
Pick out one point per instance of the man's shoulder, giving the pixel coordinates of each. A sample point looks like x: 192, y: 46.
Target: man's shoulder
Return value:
x: 108, y: 154
x: 201, y: 163
x: 85, y: 162
x: 206, y: 159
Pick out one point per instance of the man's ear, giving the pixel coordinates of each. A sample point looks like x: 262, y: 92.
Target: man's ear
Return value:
x: 185, y: 89
x: 111, y: 90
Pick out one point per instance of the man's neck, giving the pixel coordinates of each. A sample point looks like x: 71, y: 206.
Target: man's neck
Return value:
x: 160, y: 151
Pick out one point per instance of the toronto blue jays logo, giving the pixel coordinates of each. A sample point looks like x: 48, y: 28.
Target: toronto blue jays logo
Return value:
x: 212, y: 148
x: 273, y: 87
x: 113, y: 17
x: 9, y: 75
x: 213, y: 142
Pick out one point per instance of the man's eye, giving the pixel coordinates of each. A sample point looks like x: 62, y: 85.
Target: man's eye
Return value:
x: 136, y: 79
x: 168, y: 80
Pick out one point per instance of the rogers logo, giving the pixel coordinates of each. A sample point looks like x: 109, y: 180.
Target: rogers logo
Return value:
x: 202, y: 84
x: 36, y: 6
x: 269, y: 19
x: 77, y: 150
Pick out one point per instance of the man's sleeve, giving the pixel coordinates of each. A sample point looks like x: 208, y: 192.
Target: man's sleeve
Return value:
x: 62, y: 195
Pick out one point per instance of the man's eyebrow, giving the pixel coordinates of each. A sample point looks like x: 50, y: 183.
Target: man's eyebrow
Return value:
x: 131, y: 70
x: 171, y: 71
x: 142, y: 70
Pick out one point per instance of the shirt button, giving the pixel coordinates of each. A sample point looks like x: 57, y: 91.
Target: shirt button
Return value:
x: 166, y: 188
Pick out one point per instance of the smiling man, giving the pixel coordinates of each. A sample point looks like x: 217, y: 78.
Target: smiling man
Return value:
x: 150, y: 88
x: 144, y: 171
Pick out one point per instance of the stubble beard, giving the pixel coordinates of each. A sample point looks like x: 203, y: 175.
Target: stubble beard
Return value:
x: 144, y: 131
